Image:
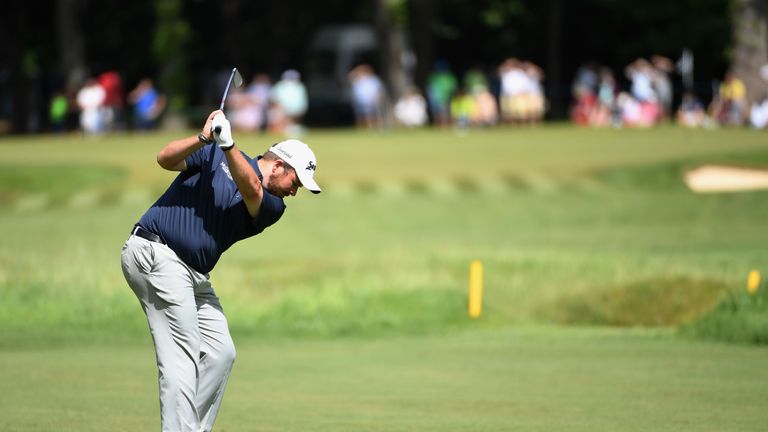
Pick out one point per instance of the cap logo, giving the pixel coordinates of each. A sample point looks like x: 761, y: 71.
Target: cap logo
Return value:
x: 311, y: 166
x: 284, y: 153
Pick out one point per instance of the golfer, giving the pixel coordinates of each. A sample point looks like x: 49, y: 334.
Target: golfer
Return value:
x: 220, y: 197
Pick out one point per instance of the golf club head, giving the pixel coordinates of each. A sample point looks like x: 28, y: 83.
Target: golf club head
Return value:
x: 234, y: 78
x: 237, y: 79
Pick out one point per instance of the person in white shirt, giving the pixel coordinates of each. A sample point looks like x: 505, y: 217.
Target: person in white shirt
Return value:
x: 90, y: 100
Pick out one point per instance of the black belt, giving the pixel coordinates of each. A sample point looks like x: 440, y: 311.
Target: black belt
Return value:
x: 147, y: 235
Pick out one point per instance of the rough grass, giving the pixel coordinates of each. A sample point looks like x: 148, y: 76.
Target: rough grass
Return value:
x: 648, y: 303
x: 739, y: 317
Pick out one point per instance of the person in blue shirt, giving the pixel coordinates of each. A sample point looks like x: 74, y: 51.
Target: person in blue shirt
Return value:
x: 219, y: 197
x: 148, y: 104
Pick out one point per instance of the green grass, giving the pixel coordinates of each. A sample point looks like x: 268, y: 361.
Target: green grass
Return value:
x: 16, y: 180
x: 523, y: 379
x: 573, y: 226
x: 739, y: 317
x: 350, y: 314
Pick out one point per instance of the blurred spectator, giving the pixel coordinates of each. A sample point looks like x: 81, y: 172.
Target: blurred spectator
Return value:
x: 277, y: 121
x: 441, y: 84
x: 605, y: 111
x: 289, y: 104
x: 248, y: 108
x: 147, y: 103
x: 368, y: 96
x: 259, y: 90
x: 629, y: 108
x: 764, y: 77
x: 474, y: 78
x: 242, y: 109
x: 411, y: 109
x: 662, y: 84
x: 584, y: 102
x: 534, y: 105
x: 90, y: 100
x: 640, y: 72
x: 584, y: 92
x: 586, y: 81
x: 462, y: 110
x: 113, y: 101
x: 635, y: 113
x: 691, y: 112
x: 515, y: 88
x: 57, y: 112
x: 729, y: 106
x: 758, y: 113
x: 486, y: 109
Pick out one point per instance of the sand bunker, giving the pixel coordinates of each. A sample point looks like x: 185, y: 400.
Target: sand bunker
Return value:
x: 716, y: 178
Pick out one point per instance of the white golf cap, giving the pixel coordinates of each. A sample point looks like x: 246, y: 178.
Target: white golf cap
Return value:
x: 300, y: 157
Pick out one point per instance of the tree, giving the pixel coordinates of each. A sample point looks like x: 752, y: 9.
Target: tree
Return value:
x: 421, y: 22
x: 71, y: 42
x: 554, y: 67
x: 12, y: 63
x: 183, y: 43
x: 170, y: 45
x: 750, y: 44
x: 391, y: 17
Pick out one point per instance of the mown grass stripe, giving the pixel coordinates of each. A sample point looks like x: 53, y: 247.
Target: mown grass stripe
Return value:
x: 31, y: 202
x: 532, y: 182
x: 84, y: 199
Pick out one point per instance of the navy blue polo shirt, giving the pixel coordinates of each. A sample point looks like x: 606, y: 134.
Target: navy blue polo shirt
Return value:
x: 202, y: 213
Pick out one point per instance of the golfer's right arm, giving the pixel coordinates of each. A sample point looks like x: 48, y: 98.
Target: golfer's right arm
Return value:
x: 172, y: 156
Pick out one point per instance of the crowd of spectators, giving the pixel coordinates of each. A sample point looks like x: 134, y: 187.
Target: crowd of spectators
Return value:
x: 262, y: 105
x: 470, y: 101
x: 599, y: 101
x: 99, y: 106
x: 511, y: 94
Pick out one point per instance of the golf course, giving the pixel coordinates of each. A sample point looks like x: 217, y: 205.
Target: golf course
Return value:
x: 614, y: 297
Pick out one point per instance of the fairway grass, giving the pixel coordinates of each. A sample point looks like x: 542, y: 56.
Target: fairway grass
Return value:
x: 526, y: 379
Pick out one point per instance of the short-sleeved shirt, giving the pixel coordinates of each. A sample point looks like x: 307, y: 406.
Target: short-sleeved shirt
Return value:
x: 202, y: 213
x: 734, y: 90
x: 146, y: 103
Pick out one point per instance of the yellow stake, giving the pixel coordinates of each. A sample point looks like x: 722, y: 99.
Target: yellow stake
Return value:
x: 475, y: 289
x: 753, y: 282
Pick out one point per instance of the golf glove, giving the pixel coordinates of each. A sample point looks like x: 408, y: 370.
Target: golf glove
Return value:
x: 222, y: 132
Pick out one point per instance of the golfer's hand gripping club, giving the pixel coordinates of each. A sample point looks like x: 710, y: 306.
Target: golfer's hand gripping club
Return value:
x: 222, y: 132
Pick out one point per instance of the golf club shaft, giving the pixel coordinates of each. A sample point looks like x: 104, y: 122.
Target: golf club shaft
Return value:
x: 226, y: 89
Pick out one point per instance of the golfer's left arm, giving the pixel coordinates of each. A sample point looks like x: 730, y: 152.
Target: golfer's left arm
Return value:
x: 243, y: 174
x: 246, y: 179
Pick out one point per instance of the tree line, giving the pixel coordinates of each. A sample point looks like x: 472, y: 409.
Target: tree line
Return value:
x: 51, y: 44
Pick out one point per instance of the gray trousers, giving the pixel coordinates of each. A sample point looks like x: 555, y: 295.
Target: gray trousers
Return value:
x: 194, y: 349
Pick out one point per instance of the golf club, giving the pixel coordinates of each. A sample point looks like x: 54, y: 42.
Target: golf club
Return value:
x: 235, y: 78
